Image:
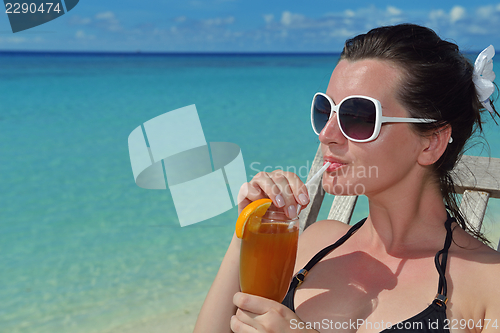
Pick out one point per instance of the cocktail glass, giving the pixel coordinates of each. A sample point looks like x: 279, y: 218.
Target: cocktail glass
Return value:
x: 267, y: 257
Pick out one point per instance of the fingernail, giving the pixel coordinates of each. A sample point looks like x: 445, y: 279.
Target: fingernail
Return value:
x: 303, y: 199
x: 292, y: 212
x: 280, y: 202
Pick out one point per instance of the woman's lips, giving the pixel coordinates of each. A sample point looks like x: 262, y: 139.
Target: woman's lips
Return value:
x: 334, y: 165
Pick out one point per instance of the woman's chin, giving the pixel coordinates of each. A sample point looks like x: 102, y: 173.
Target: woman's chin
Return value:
x: 344, y: 188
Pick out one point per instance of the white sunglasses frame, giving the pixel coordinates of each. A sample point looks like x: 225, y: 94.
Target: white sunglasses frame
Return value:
x: 379, y: 118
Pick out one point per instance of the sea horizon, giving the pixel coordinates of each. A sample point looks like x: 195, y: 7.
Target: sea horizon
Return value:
x: 177, y: 53
x: 163, y: 53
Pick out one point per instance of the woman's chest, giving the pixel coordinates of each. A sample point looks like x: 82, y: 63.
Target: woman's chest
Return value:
x: 359, y: 293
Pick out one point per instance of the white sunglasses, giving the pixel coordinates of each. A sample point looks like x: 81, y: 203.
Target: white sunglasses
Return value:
x: 359, y: 117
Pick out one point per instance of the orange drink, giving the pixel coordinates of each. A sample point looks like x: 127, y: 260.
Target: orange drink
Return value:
x: 267, y: 256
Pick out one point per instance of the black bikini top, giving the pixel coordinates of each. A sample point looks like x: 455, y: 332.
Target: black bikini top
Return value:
x: 432, y: 319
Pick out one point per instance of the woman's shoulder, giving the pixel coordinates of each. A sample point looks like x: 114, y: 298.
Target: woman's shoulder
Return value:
x: 474, y: 271
x: 485, y: 273
x: 477, y: 264
x: 473, y: 250
x: 318, y: 236
x: 324, y: 230
x: 473, y: 256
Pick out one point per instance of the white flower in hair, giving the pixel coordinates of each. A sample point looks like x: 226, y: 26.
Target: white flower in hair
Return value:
x: 483, y: 76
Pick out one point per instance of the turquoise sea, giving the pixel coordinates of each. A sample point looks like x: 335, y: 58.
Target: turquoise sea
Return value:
x: 82, y: 247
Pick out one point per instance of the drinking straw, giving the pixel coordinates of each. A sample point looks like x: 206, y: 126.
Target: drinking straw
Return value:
x: 313, y: 178
x: 319, y: 173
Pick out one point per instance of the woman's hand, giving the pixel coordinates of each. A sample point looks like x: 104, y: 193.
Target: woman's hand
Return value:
x: 258, y: 314
x: 285, y: 189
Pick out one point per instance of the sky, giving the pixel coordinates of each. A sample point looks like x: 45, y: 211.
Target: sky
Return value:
x: 247, y: 25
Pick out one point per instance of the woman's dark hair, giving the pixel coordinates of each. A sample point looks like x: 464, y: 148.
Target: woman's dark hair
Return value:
x: 437, y: 84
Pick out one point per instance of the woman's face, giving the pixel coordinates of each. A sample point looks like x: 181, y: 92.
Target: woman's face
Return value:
x: 371, y: 167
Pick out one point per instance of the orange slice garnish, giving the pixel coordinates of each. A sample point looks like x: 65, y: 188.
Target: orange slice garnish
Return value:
x: 251, y: 215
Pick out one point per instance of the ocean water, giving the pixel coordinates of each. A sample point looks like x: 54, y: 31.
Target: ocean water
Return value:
x: 82, y: 248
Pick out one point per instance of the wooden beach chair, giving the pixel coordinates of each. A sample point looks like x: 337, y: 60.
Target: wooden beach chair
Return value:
x: 476, y: 178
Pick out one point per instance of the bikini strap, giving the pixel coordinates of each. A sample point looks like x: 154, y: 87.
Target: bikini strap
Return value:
x: 441, y: 298
x: 297, y: 280
x: 299, y: 277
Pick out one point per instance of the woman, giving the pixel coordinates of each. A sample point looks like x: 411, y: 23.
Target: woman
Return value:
x: 384, y: 273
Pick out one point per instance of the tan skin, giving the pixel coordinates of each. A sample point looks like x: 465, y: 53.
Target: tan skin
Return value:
x: 385, y: 272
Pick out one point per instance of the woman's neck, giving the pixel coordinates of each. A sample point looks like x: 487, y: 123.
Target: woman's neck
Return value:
x: 407, y: 219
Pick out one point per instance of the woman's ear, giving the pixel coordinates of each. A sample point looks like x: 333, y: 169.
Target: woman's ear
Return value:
x: 435, y: 145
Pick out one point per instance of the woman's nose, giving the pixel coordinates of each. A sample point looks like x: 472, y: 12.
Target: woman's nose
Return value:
x: 331, y: 133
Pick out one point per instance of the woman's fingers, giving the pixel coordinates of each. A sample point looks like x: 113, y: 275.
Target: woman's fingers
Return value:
x: 255, y: 304
x: 289, y: 203
x: 243, y: 321
x: 297, y: 190
x: 261, y: 186
x: 258, y: 314
x: 267, y: 184
x: 247, y: 194
x: 285, y: 189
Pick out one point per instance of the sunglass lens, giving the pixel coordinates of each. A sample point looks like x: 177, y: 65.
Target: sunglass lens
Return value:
x: 357, y: 118
x: 321, y: 112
